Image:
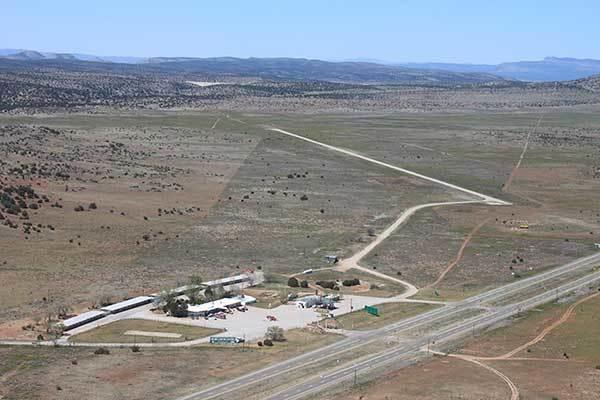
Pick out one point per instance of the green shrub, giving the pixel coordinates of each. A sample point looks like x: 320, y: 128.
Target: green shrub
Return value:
x: 326, y: 284
x: 101, y: 351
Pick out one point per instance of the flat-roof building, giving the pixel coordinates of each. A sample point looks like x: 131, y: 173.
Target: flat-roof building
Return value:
x: 127, y: 304
x: 241, y: 281
x: 201, y: 310
x: 314, y: 300
x: 84, y: 318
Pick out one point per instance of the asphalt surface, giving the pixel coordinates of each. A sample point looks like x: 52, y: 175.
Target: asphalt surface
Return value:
x: 452, y: 331
x: 239, y: 387
x: 461, y: 329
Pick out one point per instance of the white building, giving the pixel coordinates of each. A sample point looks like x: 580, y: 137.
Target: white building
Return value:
x: 81, y: 319
x: 202, y: 310
x: 128, y: 304
x: 237, y: 282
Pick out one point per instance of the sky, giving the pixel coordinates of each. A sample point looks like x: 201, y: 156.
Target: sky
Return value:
x: 397, y: 31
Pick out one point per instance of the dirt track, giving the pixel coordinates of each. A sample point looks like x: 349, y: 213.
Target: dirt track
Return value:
x: 522, y: 156
x: 509, y: 356
x: 353, y: 261
x: 567, y: 314
x: 460, y: 253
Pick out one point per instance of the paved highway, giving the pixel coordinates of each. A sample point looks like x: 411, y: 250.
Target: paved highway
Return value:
x: 567, y: 271
x: 407, y: 351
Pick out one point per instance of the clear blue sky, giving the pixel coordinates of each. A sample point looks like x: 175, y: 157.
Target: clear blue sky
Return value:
x: 401, y: 30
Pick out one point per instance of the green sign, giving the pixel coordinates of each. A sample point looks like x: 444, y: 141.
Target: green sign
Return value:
x: 223, y: 339
x: 372, y: 310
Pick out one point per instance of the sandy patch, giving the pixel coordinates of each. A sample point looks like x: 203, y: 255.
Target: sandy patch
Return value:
x: 154, y: 334
x: 207, y: 84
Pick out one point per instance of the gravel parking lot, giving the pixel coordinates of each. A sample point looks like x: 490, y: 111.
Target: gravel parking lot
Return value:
x: 251, y: 324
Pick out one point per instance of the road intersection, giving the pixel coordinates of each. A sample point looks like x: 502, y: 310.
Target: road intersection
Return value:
x: 573, y: 276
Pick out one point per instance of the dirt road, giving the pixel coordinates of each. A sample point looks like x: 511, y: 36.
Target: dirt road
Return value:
x: 514, y: 391
x: 353, y: 261
x: 458, y: 257
x: 509, y: 356
x: 483, y: 197
x: 522, y: 156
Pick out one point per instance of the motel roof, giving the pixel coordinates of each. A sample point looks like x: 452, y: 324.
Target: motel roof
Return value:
x: 81, y: 318
x: 128, y: 303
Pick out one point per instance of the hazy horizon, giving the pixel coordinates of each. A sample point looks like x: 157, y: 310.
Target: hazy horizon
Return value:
x: 474, y: 33
x: 356, y: 59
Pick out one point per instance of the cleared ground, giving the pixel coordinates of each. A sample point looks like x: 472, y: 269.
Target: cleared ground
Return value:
x: 115, y: 332
x: 66, y: 373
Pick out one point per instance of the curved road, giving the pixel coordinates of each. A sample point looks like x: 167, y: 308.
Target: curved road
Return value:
x: 352, y: 262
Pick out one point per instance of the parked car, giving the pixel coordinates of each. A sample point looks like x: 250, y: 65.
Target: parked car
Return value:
x: 220, y: 315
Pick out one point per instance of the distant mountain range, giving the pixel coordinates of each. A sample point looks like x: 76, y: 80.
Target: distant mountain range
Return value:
x: 276, y: 69
x: 546, y: 70
x: 31, y: 55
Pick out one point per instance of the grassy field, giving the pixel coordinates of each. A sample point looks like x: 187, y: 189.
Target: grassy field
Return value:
x: 578, y: 337
x: 66, y: 373
x: 115, y: 332
x: 240, y: 196
x: 450, y: 379
x: 388, y: 313
x: 176, y: 198
x: 564, y: 365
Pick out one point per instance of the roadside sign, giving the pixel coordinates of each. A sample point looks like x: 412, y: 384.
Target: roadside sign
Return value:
x: 372, y: 310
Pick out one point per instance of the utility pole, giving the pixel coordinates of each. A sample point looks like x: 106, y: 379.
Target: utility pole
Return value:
x: 354, y: 376
x: 351, y: 309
